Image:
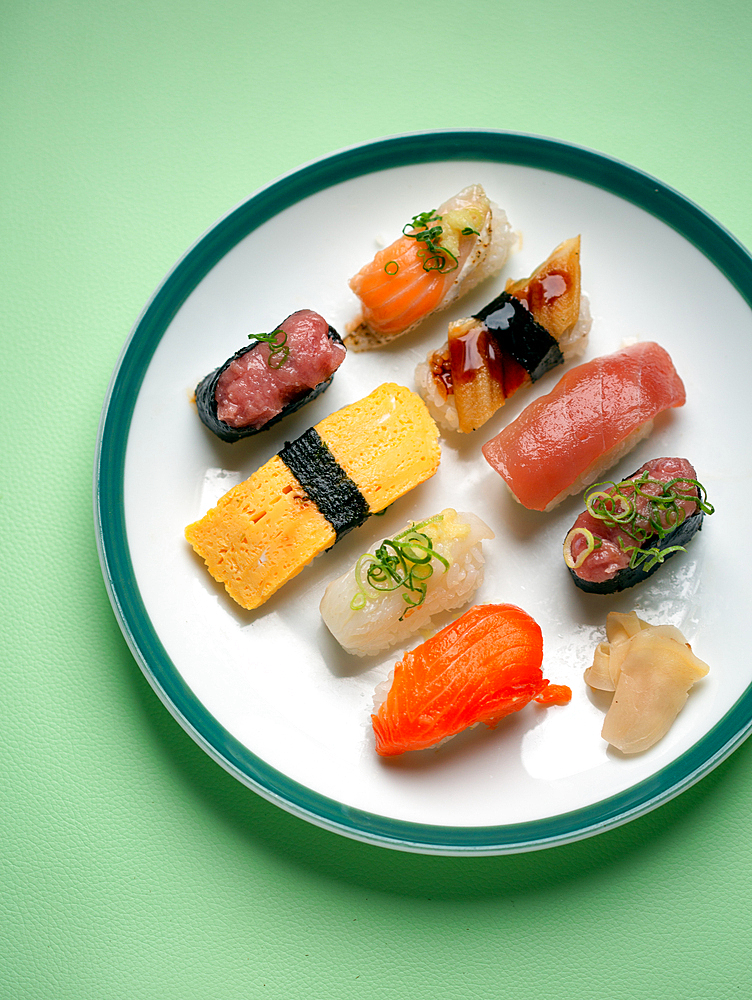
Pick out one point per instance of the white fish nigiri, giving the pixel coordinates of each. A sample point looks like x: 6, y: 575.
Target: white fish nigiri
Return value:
x: 395, y: 589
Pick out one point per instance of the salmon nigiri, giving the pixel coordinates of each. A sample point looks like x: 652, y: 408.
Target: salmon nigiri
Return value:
x: 484, y: 666
x: 441, y: 255
x: 596, y: 413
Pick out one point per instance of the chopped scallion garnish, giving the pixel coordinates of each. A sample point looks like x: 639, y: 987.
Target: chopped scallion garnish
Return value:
x: 427, y: 229
x: 279, y: 352
x: 400, y: 562
x: 592, y: 543
x: 615, y: 504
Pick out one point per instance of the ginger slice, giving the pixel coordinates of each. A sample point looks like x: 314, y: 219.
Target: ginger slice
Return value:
x: 650, y: 669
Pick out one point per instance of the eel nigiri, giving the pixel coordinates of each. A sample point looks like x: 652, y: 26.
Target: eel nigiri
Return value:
x: 273, y: 376
x: 535, y: 324
x: 441, y: 255
x: 395, y: 589
x: 596, y: 413
x: 628, y: 529
x: 353, y: 463
x: 484, y: 666
x: 650, y: 669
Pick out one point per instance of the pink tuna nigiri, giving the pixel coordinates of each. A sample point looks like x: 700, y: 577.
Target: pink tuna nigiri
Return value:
x: 481, y: 668
x: 595, y: 414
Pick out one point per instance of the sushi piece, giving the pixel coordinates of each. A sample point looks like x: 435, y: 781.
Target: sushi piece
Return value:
x: 352, y: 464
x: 441, y: 255
x: 535, y: 324
x: 395, y: 589
x: 273, y: 376
x: 481, y: 668
x: 596, y: 413
x: 650, y: 669
x: 628, y: 529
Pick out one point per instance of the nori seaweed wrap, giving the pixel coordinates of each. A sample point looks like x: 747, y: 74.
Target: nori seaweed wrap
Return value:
x: 512, y: 326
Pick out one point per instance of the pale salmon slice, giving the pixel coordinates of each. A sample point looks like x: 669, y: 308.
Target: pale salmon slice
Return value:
x: 595, y: 414
x: 481, y: 668
x: 395, y: 289
x: 441, y: 255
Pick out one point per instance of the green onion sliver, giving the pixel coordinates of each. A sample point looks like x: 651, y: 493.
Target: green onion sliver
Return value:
x: 279, y: 352
x: 404, y: 561
x: 590, y: 547
x: 437, y: 257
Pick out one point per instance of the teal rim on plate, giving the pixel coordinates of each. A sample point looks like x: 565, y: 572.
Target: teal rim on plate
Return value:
x: 656, y: 198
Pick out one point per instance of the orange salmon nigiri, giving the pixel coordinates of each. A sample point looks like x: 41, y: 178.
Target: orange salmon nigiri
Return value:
x: 484, y: 666
x: 441, y: 255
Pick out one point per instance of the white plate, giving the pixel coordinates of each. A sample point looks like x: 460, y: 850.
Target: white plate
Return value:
x: 269, y: 694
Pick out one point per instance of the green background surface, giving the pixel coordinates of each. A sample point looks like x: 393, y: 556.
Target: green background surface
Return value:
x: 133, y: 866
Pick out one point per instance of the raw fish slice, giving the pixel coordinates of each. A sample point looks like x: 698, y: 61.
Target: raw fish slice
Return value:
x: 481, y: 668
x: 406, y: 282
x: 596, y: 413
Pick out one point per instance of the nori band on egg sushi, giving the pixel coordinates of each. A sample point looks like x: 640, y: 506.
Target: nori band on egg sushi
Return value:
x: 629, y: 577
x: 325, y: 482
x: 206, y: 397
x: 519, y: 335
